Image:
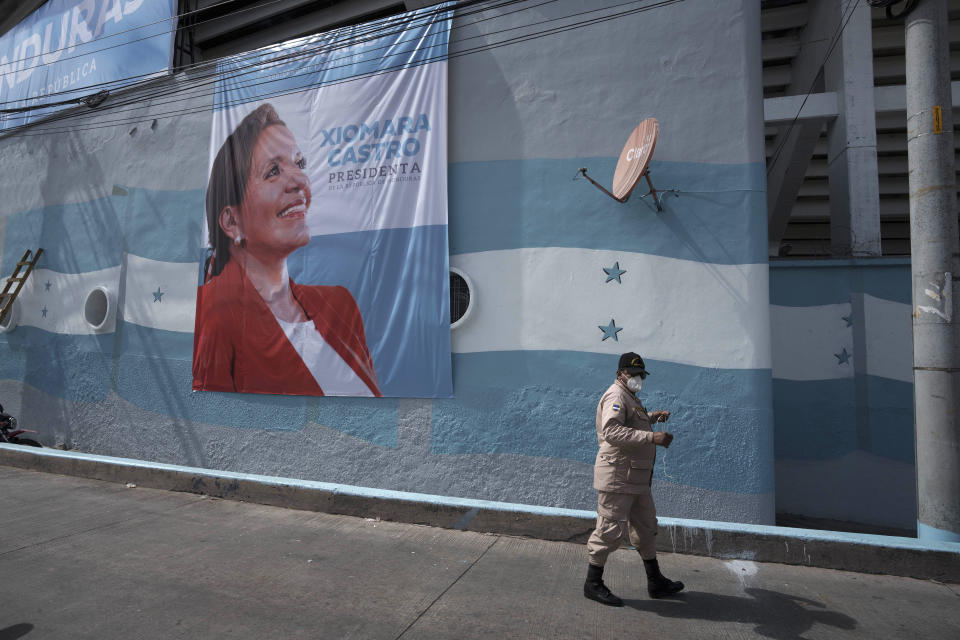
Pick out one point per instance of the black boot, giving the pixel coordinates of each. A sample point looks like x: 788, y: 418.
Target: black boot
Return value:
x: 659, y: 586
x: 594, y: 588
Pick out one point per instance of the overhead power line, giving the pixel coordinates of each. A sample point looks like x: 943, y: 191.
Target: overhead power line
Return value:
x: 121, y: 83
x: 258, y: 66
x: 185, y: 87
x: 456, y: 54
x: 43, y: 128
x: 369, y: 32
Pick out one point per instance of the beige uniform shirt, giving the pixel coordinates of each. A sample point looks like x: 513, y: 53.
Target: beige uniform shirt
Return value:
x: 625, y: 461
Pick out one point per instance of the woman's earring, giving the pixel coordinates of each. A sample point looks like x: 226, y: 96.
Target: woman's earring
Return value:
x: 240, y: 241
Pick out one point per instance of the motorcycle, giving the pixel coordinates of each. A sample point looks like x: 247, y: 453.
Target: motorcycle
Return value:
x: 9, y: 433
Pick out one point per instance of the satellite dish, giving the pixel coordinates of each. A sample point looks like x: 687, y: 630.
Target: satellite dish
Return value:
x: 635, y: 158
x: 634, y: 164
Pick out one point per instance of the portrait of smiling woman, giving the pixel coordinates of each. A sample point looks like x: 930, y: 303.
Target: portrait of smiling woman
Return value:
x: 257, y: 331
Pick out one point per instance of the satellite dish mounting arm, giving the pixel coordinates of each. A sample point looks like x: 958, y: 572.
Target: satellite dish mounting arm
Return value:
x: 583, y: 171
x: 657, y: 199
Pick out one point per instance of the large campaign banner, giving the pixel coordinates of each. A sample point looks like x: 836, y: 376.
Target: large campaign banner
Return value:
x: 326, y: 269
x: 68, y: 48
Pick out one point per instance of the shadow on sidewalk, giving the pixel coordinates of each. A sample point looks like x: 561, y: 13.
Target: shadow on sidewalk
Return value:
x: 15, y: 631
x: 776, y: 615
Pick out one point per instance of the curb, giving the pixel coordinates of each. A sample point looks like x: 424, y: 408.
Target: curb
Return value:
x: 863, y: 553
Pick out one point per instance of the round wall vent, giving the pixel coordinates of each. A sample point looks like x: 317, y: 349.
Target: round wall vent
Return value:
x: 99, y: 308
x: 462, y: 297
x: 12, y: 320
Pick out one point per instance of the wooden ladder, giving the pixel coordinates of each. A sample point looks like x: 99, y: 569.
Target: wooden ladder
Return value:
x: 15, y: 282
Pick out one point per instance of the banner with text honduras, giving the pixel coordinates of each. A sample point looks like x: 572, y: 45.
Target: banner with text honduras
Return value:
x: 325, y: 225
x: 67, y: 49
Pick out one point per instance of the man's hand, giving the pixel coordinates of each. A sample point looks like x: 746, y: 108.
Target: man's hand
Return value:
x: 662, y: 438
x: 659, y: 416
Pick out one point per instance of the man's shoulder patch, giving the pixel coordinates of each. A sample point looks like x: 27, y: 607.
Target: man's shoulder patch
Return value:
x: 616, y: 406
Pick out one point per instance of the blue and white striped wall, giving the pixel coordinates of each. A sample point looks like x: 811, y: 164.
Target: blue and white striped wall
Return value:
x: 843, y: 390
x: 531, y: 361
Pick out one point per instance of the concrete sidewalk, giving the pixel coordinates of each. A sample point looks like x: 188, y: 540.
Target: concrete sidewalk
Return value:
x: 89, y: 559
x: 857, y: 552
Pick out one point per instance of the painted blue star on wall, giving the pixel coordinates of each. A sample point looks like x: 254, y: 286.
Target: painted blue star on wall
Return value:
x: 43, y: 311
x: 848, y: 320
x: 158, y: 295
x: 47, y: 285
x: 843, y: 357
x: 614, y: 273
x: 610, y: 331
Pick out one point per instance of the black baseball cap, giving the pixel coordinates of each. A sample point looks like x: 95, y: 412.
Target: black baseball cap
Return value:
x: 632, y: 363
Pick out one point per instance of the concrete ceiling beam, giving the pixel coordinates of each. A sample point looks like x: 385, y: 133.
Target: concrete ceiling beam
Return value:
x: 780, y: 48
x: 886, y: 143
x: 807, y: 208
x: 777, y: 75
x: 784, y: 110
x: 887, y: 100
x: 244, y: 17
x: 781, y: 18
x: 817, y: 187
x: 891, y: 37
x: 894, y: 98
x: 886, y: 166
x: 894, y: 66
x: 315, y: 22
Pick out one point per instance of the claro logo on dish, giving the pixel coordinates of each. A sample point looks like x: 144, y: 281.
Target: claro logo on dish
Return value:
x: 637, y: 152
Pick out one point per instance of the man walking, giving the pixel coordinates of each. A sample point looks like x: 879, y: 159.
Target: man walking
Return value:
x: 622, y: 476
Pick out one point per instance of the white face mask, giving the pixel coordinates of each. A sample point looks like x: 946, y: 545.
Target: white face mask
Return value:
x: 635, y: 384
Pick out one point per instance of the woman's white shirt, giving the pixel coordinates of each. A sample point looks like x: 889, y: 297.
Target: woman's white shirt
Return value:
x: 332, y: 373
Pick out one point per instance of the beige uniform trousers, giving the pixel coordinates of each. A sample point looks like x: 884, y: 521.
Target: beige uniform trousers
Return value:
x: 620, y: 515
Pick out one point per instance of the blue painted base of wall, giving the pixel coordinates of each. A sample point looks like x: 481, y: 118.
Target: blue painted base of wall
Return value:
x: 927, y: 533
x: 857, y: 487
x: 891, y: 542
